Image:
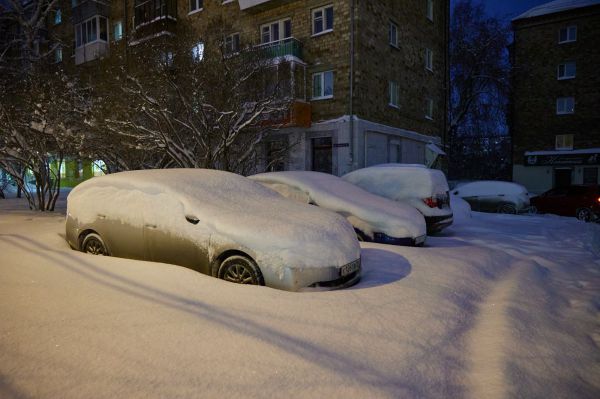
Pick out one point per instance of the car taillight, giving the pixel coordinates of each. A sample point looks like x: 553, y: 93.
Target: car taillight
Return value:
x: 431, y: 202
x: 598, y: 199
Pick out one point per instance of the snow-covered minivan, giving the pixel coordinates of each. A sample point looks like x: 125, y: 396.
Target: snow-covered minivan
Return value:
x: 416, y: 185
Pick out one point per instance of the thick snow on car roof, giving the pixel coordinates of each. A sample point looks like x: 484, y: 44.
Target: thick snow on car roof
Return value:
x: 231, y: 205
x: 489, y: 187
x: 335, y: 194
x: 400, y: 181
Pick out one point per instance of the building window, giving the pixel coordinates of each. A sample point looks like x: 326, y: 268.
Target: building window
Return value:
x: 148, y: 11
x: 430, y: 10
x: 322, y: 20
x: 166, y: 58
x: 118, y: 30
x: 564, y: 142
x: 275, y: 31
x: 92, y: 30
x: 393, y: 34
x: 429, y: 59
x: 58, y: 54
x: 566, y: 70
x: 429, y: 109
x: 565, y: 105
x: 196, y: 5
x: 232, y: 44
x: 322, y: 85
x: 394, y: 94
x: 590, y: 175
x: 568, y: 34
x: 198, y: 52
x: 57, y: 17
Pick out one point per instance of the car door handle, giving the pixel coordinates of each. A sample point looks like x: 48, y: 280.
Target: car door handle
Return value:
x: 151, y: 226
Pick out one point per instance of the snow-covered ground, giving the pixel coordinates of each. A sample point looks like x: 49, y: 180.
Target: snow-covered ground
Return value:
x: 498, y: 306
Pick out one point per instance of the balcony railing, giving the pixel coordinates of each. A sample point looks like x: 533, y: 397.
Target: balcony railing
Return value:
x: 281, y: 48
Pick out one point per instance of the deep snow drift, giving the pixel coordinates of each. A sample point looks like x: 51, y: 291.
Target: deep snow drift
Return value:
x: 497, y: 306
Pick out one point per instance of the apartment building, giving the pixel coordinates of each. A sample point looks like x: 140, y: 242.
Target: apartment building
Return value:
x: 556, y: 98
x: 370, y: 78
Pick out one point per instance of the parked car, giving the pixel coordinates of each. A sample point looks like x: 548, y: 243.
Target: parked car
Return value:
x: 415, y: 185
x: 494, y: 196
x: 583, y: 202
x: 215, y: 222
x: 374, y: 218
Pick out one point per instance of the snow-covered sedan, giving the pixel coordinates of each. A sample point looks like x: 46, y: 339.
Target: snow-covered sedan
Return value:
x: 494, y: 196
x: 415, y: 185
x: 215, y: 222
x: 374, y: 218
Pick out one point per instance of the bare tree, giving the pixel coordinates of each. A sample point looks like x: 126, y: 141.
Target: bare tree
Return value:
x: 480, y: 83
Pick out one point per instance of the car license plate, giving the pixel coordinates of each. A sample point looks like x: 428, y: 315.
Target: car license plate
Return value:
x: 349, y: 268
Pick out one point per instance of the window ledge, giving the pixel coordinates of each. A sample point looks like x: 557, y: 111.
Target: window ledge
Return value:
x: 321, y: 98
x: 323, y: 32
x: 565, y: 113
x: 394, y: 105
x: 566, y: 78
x: 195, y: 11
x: 429, y: 118
x: 397, y: 47
x: 567, y: 41
x: 429, y: 69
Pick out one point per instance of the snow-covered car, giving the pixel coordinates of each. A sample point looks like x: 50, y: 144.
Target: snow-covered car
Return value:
x: 374, y: 218
x: 415, y: 185
x: 215, y: 222
x: 494, y: 196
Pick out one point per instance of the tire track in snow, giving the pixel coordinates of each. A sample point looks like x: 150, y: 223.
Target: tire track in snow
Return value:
x: 486, y: 342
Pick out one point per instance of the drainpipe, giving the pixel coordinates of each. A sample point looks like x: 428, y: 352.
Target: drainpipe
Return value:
x: 351, y: 93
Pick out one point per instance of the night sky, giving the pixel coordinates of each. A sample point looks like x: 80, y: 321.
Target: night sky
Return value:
x: 507, y: 9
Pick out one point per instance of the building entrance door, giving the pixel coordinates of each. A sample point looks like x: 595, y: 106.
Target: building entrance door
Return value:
x: 322, y: 155
x: 562, y: 177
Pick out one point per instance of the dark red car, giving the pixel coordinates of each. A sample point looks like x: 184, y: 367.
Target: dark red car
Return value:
x: 583, y: 202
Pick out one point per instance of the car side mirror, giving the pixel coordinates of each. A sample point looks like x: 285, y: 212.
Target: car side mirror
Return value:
x: 192, y: 219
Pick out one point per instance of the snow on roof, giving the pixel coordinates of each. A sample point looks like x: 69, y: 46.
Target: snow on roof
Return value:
x: 331, y: 192
x: 231, y: 206
x: 565, y: 152
x: 555, y: 7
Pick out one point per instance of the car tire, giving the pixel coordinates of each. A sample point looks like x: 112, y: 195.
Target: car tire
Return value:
x: 508, y: 209
x: 584, y: 214
x: 240, y: 270
x: 93, y: 244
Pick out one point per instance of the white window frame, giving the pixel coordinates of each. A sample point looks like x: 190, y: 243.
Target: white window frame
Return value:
x: 197, y: 7
x: 393, y: 38
x: 281, y: 30
x: 393, y: 94
x: 563, y: 67
x: 429, y: 109
x: 429, y: 11
x: 562, y: 106
x: 564, y: 141
x: 80, y: 25
x: 229, y: 42
x: 323, y: 11
x: 321, y: 76
x: 118, y: 36
x: 571, y: 29
x: 429, y: 59
x: 198, y: 52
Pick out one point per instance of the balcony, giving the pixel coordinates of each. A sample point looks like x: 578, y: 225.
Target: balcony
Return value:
x: 153, y: 18
x: 85, y: 9
x: 289, y: 47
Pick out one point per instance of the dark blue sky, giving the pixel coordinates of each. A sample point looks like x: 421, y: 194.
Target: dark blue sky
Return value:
x: 510, y: 8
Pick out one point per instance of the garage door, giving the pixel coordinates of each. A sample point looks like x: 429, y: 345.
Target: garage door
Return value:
x: 377, y: 148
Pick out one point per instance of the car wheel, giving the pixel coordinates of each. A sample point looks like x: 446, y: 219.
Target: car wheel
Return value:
x: 584, y: 214
x: 240, y: 270
x: 507, y: 208
x: 93, y: 244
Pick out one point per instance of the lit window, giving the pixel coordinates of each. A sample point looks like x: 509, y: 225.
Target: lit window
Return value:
x: 57, y: 17
x: 275, y: 31
x: 568, y: 34
x: 394, y: 94
x: 429, y: 59
x: 564, y: 142
x: 430, y: 10
x: 232, y: 44
x: 429, y: 109
x: 565, y: 105
x: 322, y: 85
x: 166, y: 58
x: 322, y: 20
x: 118, y: 30
x: 198, y: 52
x: 567, y: 70
x: 393, y: 34
x: 196, y: 5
